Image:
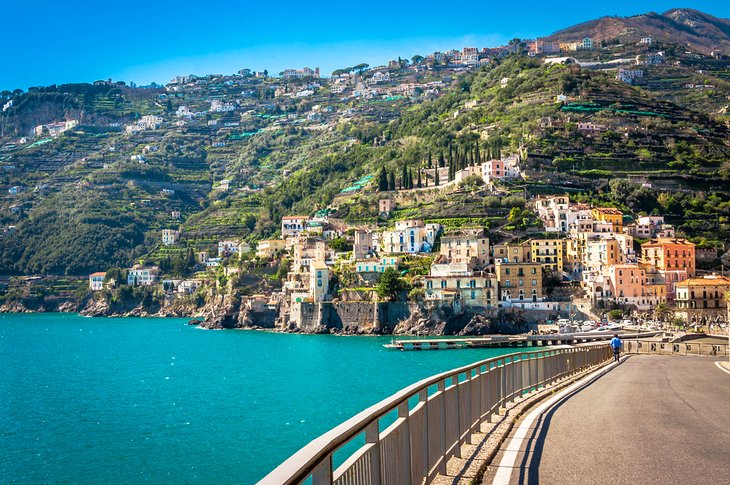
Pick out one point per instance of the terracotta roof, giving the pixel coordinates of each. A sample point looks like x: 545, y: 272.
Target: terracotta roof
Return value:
x: 608, y: 210
x: 99, y: 273
x: 708, y: 281
x: 667, y: 240
x: 294, y: 217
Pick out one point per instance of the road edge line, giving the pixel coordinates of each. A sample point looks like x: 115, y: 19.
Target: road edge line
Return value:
x: 721, y: 367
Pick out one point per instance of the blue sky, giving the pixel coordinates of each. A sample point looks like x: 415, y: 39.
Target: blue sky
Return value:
x: 48, y: 42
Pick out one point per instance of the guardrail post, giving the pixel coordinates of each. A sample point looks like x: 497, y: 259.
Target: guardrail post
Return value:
x: 418, y: 431
x: 404, y: 447
x: 441, y: 427
x: 372, y: 436
x: 322, y: 474
x: 459, y: 417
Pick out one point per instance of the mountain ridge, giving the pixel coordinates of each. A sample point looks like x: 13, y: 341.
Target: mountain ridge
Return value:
x: 684, y: 26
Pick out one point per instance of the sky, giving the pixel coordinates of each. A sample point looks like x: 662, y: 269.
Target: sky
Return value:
x: 52, y: 42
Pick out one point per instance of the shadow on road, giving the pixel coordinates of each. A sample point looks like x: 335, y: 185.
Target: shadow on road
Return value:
x: 530, y: 472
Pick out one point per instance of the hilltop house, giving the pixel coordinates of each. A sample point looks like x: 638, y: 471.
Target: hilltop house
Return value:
x: 229, y: 248
x: 293, y: 225
x: 169, y: 237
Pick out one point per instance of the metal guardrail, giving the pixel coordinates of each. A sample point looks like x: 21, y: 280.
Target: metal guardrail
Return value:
x: 675, y: 348
x: 449, y: 408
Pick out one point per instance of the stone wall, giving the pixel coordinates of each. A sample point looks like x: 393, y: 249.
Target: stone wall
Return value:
x: 349, y: 317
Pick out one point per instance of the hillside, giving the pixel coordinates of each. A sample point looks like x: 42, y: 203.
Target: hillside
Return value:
x: 697, y: 31
x: 228, y: 156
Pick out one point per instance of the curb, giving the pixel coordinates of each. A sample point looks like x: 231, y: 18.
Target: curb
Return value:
x: 534, y: 400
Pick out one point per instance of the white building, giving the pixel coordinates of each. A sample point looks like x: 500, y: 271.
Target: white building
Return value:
x: 189, y: 286
x: 217, y: 106
x: 410, y: 236
x: 142, y: 275
x: 293, y: 225
x: 229, y: 248
x: 169, y: 237
x: 377, y: 265
x: 96, y: 281
x: 629, y: 75
x: 319, y: 278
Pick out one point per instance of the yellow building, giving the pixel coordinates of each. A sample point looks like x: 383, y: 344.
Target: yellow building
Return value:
x: 267, y: 248
x: 511, y: 252
x: 609, y: 215
x: 519, y: 281
x: 548, y: 252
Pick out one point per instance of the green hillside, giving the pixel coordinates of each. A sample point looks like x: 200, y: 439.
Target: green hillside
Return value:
x: 97, y: 196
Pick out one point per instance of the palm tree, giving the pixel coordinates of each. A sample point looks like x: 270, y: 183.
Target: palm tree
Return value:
x: 663, y: 313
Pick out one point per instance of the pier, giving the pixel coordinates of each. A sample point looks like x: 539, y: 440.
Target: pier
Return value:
x: 512, y: 340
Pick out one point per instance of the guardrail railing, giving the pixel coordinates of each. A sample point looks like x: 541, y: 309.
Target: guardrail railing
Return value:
x: 671, y: 348
x: 435, y: 417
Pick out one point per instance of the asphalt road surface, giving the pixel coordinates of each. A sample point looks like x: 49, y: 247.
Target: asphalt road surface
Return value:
x: 651, y: 419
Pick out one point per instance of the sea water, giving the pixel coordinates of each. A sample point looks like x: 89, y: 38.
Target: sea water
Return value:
x: 130, y: 400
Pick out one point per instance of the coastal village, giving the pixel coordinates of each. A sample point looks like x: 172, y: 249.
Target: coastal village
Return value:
x: 369, y: 258
x: 589, y: 256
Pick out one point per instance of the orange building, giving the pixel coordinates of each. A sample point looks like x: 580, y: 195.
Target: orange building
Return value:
x: 673, y: 258
x: 631, y: 285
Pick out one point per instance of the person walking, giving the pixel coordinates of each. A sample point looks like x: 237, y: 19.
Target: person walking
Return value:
x: 616, y: 346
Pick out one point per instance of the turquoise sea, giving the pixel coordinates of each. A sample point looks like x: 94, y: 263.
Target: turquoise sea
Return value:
x: 131, y: 400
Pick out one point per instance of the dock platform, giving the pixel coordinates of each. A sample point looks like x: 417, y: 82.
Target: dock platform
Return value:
x: 510, y: 340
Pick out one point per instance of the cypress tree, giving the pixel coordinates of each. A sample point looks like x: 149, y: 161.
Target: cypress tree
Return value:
x: 441, y: 162
x: 383, y: 180
x: 391, y: 182
x: 418, y: 184
x: 429, y: 160
x: 476, y: 152
x: 404, y: 178
x: 435, y: 178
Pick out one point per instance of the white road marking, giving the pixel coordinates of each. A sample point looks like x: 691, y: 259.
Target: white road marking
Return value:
x: 720, y: 366
x: 506, y: 465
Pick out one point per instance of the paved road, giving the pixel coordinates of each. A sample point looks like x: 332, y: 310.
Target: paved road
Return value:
x: 651, y: 419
